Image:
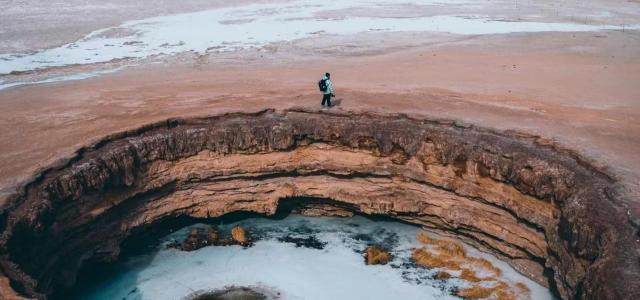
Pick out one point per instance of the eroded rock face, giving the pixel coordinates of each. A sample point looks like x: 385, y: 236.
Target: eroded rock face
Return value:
x: 322, y: 210
x: 201, y: 237
x: 547, y: 212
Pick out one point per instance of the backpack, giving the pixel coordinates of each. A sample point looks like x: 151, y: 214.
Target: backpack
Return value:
x: 322, y: 84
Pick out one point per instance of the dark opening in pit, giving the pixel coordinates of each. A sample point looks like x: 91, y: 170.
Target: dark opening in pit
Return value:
x: 145, y: 240
x: 141, y: 248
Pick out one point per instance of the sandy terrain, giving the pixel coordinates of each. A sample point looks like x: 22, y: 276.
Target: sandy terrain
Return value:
x: 577, y: 88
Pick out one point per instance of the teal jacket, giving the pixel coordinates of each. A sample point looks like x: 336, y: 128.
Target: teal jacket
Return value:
x: 329, y: 86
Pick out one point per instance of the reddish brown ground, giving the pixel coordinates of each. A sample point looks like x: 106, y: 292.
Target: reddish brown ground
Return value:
x: 580, y: 89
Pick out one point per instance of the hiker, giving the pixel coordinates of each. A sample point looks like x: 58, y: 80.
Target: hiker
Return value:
x: 326, y: 87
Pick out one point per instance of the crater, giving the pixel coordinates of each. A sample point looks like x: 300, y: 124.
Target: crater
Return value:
x: 545, y: 210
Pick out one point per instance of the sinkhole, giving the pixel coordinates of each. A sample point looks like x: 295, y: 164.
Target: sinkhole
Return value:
x: 299, y: 203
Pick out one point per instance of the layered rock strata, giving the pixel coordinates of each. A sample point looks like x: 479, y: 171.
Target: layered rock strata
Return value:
x: 549, y: 213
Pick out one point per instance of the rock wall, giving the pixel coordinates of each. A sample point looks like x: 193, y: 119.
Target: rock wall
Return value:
x: 546, y: 211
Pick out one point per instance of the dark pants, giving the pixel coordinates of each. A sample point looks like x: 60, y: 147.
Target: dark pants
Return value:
x: 326, y: 98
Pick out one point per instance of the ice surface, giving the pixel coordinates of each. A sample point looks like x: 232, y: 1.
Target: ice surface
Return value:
x: 229, y: 29
x: 71, y: 77
x: 336, y: 272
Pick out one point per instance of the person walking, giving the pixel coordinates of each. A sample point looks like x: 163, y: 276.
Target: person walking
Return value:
x: 326, y: 87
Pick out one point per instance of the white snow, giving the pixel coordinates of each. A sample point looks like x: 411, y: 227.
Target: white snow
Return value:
x: 335, y: 272
x: 229, y: 29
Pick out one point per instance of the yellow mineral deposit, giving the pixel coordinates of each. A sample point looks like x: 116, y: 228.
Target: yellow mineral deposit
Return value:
x: 239, y: 235
x: 450, y: 255
x: 377, y: 256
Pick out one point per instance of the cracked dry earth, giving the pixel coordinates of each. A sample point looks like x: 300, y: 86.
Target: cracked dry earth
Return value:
x: 548, y: 212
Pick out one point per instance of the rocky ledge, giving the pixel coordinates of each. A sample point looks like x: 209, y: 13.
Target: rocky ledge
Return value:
x: 548, y: 212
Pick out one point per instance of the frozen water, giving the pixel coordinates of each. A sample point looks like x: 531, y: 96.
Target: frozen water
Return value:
x: 337, y: 271
x: 229, y: 29
x: 71, y: 77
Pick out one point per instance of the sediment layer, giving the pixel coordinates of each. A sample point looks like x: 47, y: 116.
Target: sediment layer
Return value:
x: 546, y: 211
